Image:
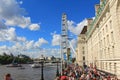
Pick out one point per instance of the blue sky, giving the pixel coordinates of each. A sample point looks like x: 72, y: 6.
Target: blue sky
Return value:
x: 33, y: 27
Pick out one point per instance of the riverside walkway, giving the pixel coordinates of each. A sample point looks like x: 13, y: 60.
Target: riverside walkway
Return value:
x: 75, y: 72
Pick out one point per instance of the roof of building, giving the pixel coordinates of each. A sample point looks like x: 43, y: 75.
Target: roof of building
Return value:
x: 84, y: 30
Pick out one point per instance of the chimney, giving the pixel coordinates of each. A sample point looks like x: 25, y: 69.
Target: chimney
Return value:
x: 89, y: 21
x: 97, y: 6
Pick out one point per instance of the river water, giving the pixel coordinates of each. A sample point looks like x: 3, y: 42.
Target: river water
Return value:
x: 28, y: 73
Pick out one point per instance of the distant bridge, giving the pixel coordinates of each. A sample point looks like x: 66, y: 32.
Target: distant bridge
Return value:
x: 46, y: 61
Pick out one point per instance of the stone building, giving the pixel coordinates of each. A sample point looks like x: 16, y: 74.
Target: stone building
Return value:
x: 81, y: 47
x: 102, y: 39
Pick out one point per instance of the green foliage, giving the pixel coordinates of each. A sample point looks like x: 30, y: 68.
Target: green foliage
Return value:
x: 7, y: 59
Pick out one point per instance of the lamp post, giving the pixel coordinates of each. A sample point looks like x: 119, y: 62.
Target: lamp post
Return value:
x: 57, y: 72
x: 42, y: 74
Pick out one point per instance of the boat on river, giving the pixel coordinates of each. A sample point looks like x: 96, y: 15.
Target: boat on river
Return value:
x: 38, y: 65
x: 14, y: 65
x: 35, y: 65
x: 49, y: 64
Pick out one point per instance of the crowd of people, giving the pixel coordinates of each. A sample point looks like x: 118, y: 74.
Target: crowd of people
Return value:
x: 75, y: 72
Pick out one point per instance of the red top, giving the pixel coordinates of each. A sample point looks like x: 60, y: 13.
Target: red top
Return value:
x: 63, y: 78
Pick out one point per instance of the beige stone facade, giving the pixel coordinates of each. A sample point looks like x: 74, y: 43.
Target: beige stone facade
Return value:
x: 102, y: 40
x: 81, y: 47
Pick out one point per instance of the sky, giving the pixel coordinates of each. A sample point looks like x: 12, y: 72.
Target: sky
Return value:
x: 33, y: 27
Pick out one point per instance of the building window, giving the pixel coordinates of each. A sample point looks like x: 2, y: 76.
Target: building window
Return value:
x: 107, y: 39
x: 103, y: 65
x: 104, y: 42
x: 83, y: 48
x: 104, y: 53
x: 115, y: 68
x: 106, y: 28
x: 100, y: 65
x: 110, y: 66
x: 110, y: 24
x: 103, y: 32
x: 109, y: 52
x: 113, y: 51
x: 106, y: 65
x: 101, y: 44
x: 83, y: 58
x: 112, y: 37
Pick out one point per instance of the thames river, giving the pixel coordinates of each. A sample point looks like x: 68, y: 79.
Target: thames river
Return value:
x: 28, y: 73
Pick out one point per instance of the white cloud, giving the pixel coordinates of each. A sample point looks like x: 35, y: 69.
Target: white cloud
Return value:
x: 10, y: 9
x: 21, y: 39
x: 13, y: 15
x: 17, y: 46
x: 45, y: 52
x: 8, y: 34
x: 28, y: 49
x: 29, y: 44
x: 11, y: 35
x: 40, y: 42
x: 2, y: 25
x: 76, y: 28
x: 34, y: 27
x: 21, y: 21
x: 25, y: 47
x: 11, y: 12
x: 2, y: 35
x: 55, y: 39
x: 4, y: 47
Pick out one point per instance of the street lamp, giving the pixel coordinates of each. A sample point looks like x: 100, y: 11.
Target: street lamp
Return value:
x: 42, y: 66
x: 57, y: 72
